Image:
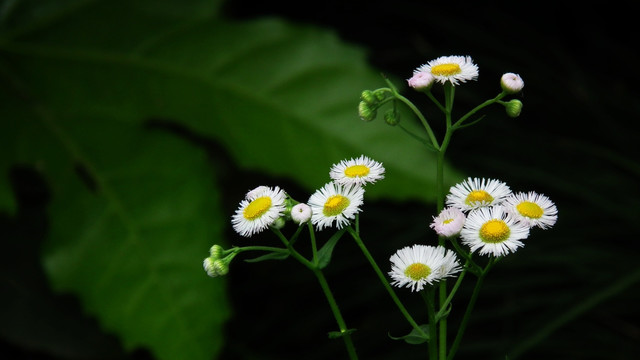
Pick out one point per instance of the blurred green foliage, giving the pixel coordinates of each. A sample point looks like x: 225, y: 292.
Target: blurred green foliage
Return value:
x: 97, y: 97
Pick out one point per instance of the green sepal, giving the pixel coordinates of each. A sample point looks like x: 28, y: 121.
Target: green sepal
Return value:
x: 414, y: 337
x: 324, y: 254
x: 339, y: 334
x: 276, y: 255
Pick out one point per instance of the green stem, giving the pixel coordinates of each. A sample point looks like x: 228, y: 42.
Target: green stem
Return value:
x: 296, y: 255
x: 470, y: 306
x: 429, y: 297
x: 336, y: 314
x: 479, y: 107
x: 384, y: 281
x: 447, y: 301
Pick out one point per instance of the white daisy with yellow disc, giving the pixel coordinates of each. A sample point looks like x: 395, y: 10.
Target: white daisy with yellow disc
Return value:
x: 359, y: 171
x: 335, y: 203
x: 474, y: 193
x: 454, y: 69
x: 493, y: 231
x: 419, y: 265
x: 532, y: 209
x: 261, y: 207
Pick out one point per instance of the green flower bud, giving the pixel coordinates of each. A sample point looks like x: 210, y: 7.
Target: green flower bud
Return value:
x: 368, y: 97
x: 513, y: 108
x: 380, y: 94
x: 392, y: 117
x: 216, y: 252
x: 365, y: 112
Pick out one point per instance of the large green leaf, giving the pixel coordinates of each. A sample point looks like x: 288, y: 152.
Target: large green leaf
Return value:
x: 283, y: 99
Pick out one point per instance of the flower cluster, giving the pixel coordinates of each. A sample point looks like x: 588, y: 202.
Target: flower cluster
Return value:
x: 335, y: 204
x: 489, y: 217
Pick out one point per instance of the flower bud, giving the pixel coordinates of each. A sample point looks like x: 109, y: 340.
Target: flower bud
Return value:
x: 211, y: 266
x: 392, y: 117
x: 368, y: 97
x: 380, y: 94
x: 511, y: 83
x: 300, y: 213
x: 216, y: 251
x: 365, y: 112
x: 513, y: 108
x: 421, y: 80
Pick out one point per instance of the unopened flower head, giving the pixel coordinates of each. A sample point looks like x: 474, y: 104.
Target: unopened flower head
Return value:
x: 335, y: 203
x: 475, y: 193
x: 493, y: 231
x: 513, y: 108
x: 449, y: 222
x: 215, y: 267
x: 358, y: 171
x: 532, y: 209
x: 511, y: 83
x: 418, y: 265
x: 300, y: 213
x: 216, y: 251
x: 454, y: 69
x: 261, y: 208
x: 421, y: 80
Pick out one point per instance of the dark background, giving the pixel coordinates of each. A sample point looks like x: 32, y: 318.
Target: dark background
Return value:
x: 575, y: 142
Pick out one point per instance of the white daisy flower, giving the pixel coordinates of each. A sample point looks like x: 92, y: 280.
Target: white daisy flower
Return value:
x: 449, y: 222
x: 421, y: 80
x: 532, y: 209
x: 335, y: 202
x: 358, y: 171
x: 300, y: 213
x: 261, y: 208
x: 511, y: 83
x: 454, y: 69
x: 475, y: 193
x: 494, y: 231
x: 415, y: 266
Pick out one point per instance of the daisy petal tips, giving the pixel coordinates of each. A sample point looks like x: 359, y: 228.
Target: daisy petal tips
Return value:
x: 358, y: 171
x: 420, y: 265
x: 493, y: 231
x: 335, y: 203
x: 261, y: 207
x: 474, y: 193
x: 532, y: 209
x: 454, y: 69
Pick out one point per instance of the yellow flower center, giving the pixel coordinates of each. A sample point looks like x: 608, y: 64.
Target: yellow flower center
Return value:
x: 445, y: 69
x: 417, y: 271
x: 494, y: 231
x: 530, y: 209
x: 447, y: 221
x: 478, y: 196
x: 257, y: 208
x: 335, y: 205
x: 356, y: 171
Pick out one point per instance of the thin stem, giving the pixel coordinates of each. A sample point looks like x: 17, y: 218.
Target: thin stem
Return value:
x: 314, y: 248
x: 447, y: 301
x: 470, y: 305
x: 296, y: 255
x: 384, y: 281
x: 429, y: 298
x: 479, y: 107
x: 336, y: 314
